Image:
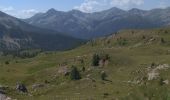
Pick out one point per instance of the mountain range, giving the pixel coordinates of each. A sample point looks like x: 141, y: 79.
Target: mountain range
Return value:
x: 91, y: 25
x: 16, y: 34
x: 58, y: 30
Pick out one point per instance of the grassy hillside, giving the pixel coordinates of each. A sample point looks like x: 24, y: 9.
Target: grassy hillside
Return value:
x: 135, y: 62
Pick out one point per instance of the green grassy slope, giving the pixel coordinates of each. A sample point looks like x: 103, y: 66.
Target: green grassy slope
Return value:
x: 131, y: 53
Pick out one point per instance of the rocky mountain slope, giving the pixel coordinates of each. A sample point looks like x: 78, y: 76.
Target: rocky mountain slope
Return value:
x: 90, y: 25
x: 16, y: 34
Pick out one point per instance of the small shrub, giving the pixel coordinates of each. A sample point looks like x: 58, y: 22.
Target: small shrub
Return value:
x: 166, y: 32
x: 162, y: 40
x: 106, y: 95
x: 108, y: 42
x: 106, y: 57
x: 81, y: 61
x: 161, y: 82
x: 6, y: 62
x: 122, y: 42
x: 143, y: 37
x: 103, y: 76
x: 153, y: 65
x: 46, y: 82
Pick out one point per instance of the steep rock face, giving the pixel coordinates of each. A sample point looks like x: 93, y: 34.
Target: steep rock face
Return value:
x: 16, y: 34
x: 92, y: 25
x: 11, y: 32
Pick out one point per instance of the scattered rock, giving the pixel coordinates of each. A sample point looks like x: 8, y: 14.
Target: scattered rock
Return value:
x: 86, y: 79
x: 101, y: 63
x: 2, y: 92
x: 3, y: 87
x: 89, y: 69
x: 64, y: 70
x: 36, y: 86
x: 137, y: 45
x: 153, y: 71
x: 4, y: 97
x: 21, y: 88
x: 163, y: 67
x: 102, y: 72
x: 153, y: 75
x: 88, y: 76
x: 166, y: 82
x: 142, y: 76
x: 66, y: 73
x: 152, y: 39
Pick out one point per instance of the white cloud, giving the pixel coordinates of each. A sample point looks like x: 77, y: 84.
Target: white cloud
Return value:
x: 27, y: 13
x: 97, y: 5
x: 126, y: 2
x: 87, y: 5
x: 7, y: 9
x: 18, y: 13
x: 163, y: 4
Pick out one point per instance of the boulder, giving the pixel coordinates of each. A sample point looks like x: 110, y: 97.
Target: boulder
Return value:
x: 2, y: 92
x: 21, y: 88
x: 166, y: 82
x: 153, y: 75
x: 4, y: 97
x: 36, y: 86
x: 154, y: 72
x: 64, y: 70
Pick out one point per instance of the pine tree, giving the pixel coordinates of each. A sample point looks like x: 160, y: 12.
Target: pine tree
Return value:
x: 83, y: 69
x: 95, y: 60
x: 75, y: 75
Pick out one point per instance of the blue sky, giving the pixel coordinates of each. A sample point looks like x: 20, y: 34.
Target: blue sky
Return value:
x: 27, y: 8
